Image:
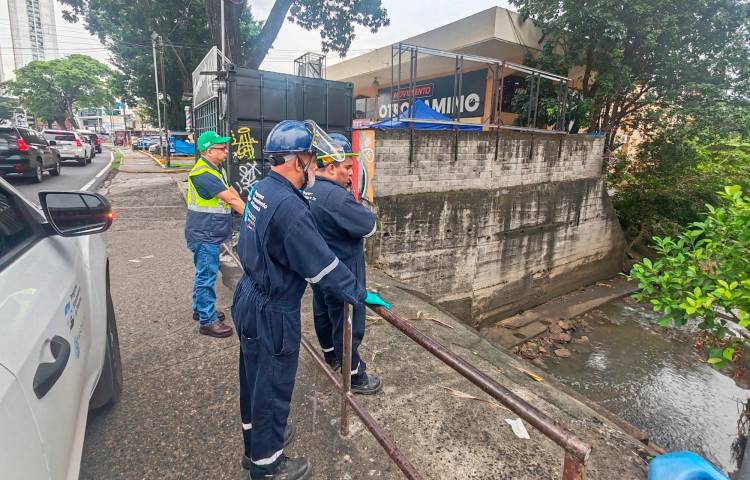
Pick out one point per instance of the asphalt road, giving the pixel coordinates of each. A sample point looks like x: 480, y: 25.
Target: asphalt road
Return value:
x: 73, y: 177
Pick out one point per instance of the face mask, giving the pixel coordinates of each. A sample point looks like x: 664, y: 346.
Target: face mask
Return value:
x: 310, y: 179
x: 309, y: 175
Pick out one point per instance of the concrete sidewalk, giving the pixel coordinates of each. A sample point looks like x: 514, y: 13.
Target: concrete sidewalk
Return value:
x: 179, y: 415
x: 134, y: 161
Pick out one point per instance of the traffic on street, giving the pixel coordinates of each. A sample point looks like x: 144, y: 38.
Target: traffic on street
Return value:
x: 72, y: 176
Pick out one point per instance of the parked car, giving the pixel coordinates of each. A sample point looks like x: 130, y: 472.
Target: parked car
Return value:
x: 154, y: 148
x: 144, y: 143
x: 94, y: 140
x: 59, y: 350
x: 70, y: 145
x: 86, y: 139
x: 26, y: 152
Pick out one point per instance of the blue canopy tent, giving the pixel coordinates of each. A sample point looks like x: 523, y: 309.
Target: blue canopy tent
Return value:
x: 429, y: 119
x: 181, y: 147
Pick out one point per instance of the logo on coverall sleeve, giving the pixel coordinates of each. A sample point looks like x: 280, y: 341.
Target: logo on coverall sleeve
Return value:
x: 257, y: 203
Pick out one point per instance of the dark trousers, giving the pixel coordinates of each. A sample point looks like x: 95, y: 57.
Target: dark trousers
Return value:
x: 329, y: 327
x: 269, y: 353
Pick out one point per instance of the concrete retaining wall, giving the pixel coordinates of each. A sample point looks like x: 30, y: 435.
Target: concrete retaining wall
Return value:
x: 514, y: 220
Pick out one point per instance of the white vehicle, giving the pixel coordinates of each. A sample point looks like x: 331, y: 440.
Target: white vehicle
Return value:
x: 71, y: 145
x: 59, y: 349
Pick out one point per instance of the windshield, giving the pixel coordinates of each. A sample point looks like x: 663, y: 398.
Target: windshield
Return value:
x: 8, y: 138
x: 64, y: 137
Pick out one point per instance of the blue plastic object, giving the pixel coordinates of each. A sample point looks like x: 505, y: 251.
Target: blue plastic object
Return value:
x: 375, y: 299
x: 683, y: 466
x: 429, y: 120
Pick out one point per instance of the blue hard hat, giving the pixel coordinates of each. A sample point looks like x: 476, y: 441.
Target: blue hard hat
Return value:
x: 342, y: 141
x: 346, y: 150
x: 289, y: 136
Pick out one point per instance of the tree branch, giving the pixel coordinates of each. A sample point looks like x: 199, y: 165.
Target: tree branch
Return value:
x: 187, y: 77
x: 271, y: 27
x: 587, y: 73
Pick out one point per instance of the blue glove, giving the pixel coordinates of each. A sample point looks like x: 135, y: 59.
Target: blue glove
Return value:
x: 374, y: 299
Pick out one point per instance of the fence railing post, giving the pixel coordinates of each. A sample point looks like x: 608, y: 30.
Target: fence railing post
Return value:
x: 573, y: 469
x: 346, y: 369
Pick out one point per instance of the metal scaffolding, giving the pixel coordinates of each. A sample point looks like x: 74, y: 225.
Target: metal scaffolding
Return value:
x: 499, y: 69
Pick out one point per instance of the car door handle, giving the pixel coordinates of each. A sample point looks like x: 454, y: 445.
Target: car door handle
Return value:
x: 47, y: 374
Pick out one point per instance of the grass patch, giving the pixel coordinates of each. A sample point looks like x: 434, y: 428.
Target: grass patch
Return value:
x: 180, y: 165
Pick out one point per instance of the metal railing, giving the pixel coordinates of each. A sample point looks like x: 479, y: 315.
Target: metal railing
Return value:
x: 408, y: 54
x: 576, y: 451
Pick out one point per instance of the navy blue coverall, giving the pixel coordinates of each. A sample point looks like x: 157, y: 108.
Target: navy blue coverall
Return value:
x: 344, y: 224
x: 281, y: 252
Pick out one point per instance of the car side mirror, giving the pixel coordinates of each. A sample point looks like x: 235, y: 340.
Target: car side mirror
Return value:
x: 72, y: 214
x: 52, y: 143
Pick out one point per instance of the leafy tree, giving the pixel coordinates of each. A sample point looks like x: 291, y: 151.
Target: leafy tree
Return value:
x: 703, y: 275
x: 335, y: 19
x: 51, y: 89
x: 189, y: 29
x: 639, y: 54
x: 125, y: 28
x: 692, y: 148
x: 7, y: 107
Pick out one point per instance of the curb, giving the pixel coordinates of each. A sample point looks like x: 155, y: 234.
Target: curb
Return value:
x: 153, y: 158
x: 94, y: 182
x: 156, y: 161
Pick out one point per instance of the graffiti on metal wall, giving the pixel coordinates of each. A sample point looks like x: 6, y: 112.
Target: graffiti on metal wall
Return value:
x: 365, y: 145
x: 244, y: 154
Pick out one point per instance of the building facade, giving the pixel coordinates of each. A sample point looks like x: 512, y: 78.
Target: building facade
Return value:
x: 106, y: 120
x: 495, y: 33
x: 33, y: 33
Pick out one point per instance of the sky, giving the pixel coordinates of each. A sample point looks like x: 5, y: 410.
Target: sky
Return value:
x: 408, y: 18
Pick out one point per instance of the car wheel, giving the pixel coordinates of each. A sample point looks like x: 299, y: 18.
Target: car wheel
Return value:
x: 109, y: 388
x: 55, y: 172
x: 82, y: 162
x: 37, y: 175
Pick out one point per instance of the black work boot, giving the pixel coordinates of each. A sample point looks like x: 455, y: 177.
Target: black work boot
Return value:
x: 333, y: 363
x: 366, y: 385
x: 288, y: 469
x: 289, y: 432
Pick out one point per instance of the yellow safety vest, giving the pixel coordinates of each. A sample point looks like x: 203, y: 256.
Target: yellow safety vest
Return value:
x: 197, y: 203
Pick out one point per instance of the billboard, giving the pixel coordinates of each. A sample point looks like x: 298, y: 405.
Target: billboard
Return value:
x: 203, y: 88
x: 438, y: 94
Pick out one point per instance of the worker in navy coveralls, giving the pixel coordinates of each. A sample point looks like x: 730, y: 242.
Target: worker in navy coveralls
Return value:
x: 344, y: 224
x: 281, y: 252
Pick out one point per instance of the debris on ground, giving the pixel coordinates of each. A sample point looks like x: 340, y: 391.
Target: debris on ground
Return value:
x: 423, y: 316
x: 562, y: 352
x: 519, y: 429
x: 553, y: 342
x: 466, y: 396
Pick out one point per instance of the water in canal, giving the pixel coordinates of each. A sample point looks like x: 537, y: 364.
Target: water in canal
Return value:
x: 656, y: 383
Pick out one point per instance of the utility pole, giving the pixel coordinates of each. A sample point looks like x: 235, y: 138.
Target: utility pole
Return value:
x: 154, y: 36
x: 164, y: 95
x: 223, y: 37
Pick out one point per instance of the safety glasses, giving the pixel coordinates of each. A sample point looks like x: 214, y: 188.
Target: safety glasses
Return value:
x: 328, y: 159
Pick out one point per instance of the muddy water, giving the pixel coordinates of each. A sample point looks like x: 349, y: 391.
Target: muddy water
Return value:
x: 656, y: 383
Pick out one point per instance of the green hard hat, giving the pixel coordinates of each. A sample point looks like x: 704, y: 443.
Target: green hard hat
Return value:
x: 210, y: 138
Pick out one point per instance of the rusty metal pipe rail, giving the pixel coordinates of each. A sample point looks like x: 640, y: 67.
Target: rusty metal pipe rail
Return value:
x: 390, y: 448
x: 577, y: 452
